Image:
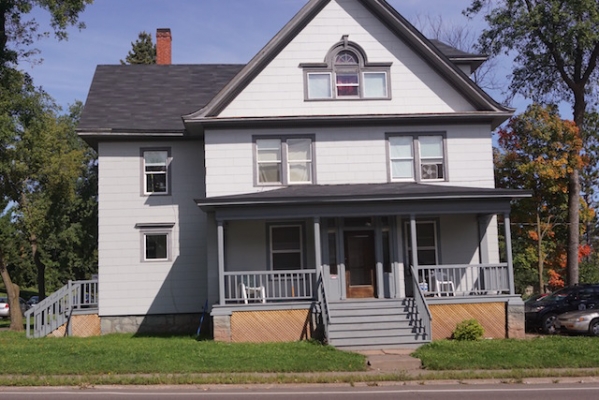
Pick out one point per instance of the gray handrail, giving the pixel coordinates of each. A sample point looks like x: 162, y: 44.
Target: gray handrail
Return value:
x: 324, y: 305
x: 421, y: 303
x: 56, y: 309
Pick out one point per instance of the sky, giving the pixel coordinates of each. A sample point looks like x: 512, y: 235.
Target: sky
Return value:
x: 203, y: 31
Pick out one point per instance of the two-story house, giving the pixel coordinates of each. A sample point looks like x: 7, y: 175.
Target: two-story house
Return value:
x: 339, y: 184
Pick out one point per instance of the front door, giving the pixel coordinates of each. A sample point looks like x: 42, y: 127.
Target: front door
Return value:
x: 360, y: 264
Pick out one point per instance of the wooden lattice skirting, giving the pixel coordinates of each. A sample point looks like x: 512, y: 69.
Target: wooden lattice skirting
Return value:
x: 492, y: 316
x: 82, y: 326
x: 270, y: 326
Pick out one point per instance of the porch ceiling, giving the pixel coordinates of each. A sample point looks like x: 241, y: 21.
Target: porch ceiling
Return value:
x: 362, y: 199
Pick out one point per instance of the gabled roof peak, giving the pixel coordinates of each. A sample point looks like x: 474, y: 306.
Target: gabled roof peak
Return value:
x: 394, y: 21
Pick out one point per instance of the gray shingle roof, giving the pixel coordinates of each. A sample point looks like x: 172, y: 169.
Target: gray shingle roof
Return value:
x: 135, y: 98
x: 399, y: 191
x: 452, y: 52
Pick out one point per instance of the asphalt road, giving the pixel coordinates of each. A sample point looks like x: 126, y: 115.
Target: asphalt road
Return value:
x: 311, y: 392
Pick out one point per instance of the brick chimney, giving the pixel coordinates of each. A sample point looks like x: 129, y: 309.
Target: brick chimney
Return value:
x: 163, y: 46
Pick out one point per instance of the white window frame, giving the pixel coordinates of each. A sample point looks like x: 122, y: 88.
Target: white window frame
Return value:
x: 272, y: 251
x: 155, y: 229
x: 284, y: 162
x: 145, y: 172
x: 365, y: 84
x: 418, y: 160
x: 329, y: 75
x: 361, y: 69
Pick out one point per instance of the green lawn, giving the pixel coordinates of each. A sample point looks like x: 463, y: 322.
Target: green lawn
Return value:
x: 127, y: 354
x: 539, y: 353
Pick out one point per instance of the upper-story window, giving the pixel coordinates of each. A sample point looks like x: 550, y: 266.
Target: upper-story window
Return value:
x: 346, y: 74
x: 417, y: 158
x: 284, y: 160
x: 156, y: 171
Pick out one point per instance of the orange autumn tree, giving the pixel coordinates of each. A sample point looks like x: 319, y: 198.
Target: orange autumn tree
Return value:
x: 538, y: 151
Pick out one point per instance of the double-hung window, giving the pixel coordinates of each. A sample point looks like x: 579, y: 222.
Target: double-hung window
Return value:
x: 155, y: 171
x: 426, y: 242
x: 284, y: 161
x: 417, y: 158
x: 286, y: 247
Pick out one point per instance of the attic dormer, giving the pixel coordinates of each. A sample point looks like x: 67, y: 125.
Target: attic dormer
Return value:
x: 346, y: 74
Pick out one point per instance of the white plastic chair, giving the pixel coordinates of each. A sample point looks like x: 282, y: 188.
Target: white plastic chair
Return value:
x: 250, y: 292
x: 445, y: 287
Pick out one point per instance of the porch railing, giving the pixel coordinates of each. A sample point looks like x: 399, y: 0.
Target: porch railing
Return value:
x: 267, y: 286
x: 464, y: 280
x: 57, y: 309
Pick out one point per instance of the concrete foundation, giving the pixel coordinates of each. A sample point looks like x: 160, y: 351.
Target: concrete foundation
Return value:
x: 152, y: 324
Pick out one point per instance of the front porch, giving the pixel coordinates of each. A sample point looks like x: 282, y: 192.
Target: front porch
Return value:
x: 418, y: 255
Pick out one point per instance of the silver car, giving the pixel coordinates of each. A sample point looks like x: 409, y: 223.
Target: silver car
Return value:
x: 4, y: 309
x: 584, y: 321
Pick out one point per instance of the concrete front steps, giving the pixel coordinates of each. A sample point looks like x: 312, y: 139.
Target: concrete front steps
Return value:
x: 364, y: 324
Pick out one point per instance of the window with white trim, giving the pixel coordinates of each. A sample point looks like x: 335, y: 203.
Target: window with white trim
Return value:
x: 156, y: 241
x: 156, y: 246
x: 346, y: 74
x: 426, y: 242
x: 417, y: 158
x: 155, y: 171
x: 284, y: 161
x: 286, y: 247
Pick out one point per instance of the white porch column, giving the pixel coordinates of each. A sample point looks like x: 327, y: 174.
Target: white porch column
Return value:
x: 317, y: 246
x: 220, y: 233
x: 378, y: 249
x: 398, y: 270
x: 483, y: 238
x: 508, y: 251
x: 414, y: 242
x: 318, y: 257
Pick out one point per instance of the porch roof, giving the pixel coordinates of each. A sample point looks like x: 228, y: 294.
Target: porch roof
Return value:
x: 363, y: 199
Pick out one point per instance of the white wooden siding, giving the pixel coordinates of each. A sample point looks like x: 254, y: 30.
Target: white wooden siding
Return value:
x: 132, y: 287
x: 279, y: 89
x: 346, y: 156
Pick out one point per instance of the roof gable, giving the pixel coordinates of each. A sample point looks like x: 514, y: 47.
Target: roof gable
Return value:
x: 391, y: 19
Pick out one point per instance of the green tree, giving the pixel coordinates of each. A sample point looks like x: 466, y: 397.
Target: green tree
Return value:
x: 143, y: 51
x: 20, y: 103
x: 538, y: 151
x: 48, y: 161
x: 18, y: 31
x: 556, y: 46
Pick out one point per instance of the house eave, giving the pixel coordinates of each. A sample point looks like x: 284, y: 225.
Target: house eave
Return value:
x: 94, y: 136
x: 260, y: 60
x: 396, y: 196
x: 493, y: 118
x: 403, y: 28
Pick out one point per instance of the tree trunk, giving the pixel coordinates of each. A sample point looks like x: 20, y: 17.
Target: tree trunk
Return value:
x: 12, y: 291
x: 540, y: 254
x: 573, y: 227
x: 574, y: 197
x: 41, y: 268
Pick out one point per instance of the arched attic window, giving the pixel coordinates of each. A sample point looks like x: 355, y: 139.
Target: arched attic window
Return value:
x: 346, y: 74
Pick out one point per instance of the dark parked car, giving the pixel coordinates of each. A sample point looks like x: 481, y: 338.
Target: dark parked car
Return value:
x: 33, y: 300
x: 541, y: 314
